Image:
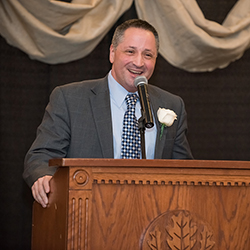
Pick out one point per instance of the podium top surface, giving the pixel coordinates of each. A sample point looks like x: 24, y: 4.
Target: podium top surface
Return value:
x: 144, y: 163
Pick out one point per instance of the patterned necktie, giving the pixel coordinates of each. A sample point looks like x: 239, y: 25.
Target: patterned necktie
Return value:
x: 131, y: 144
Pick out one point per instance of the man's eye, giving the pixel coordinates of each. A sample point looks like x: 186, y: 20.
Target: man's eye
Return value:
x: 130, y: 51
x: 148, y: 56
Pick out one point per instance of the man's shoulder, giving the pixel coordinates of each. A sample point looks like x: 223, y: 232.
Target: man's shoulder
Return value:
x: 82, y: 89
x: 83, y: 85
x: 161, y: 93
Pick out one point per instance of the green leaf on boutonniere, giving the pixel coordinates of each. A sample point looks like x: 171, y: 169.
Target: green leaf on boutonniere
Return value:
x: 162, y: 128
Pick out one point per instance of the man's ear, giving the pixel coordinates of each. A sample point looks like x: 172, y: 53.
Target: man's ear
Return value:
x: 111, y: 53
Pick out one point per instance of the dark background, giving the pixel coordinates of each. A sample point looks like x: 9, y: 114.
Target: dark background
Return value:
x: 217, y: 104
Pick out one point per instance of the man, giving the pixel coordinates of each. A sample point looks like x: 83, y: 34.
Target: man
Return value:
x: 85, y: 119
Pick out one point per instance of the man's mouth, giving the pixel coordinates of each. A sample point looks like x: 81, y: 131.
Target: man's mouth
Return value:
x: 135, y: 72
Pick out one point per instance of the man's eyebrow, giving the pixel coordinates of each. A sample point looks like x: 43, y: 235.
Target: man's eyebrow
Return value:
x: 133, y: 47
x: 149, y: 50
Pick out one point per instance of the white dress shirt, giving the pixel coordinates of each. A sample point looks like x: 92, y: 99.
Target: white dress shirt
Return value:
x: 118, y: 108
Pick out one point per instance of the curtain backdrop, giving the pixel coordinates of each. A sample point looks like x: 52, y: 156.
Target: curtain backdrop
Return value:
x: 57, y: 31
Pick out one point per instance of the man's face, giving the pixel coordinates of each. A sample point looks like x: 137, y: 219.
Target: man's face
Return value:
x: 135, y: 55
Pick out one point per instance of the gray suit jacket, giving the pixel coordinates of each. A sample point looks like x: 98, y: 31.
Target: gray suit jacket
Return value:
x: 77, y: 124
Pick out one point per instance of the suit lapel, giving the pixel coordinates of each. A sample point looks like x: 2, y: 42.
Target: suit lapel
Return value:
x: 160, y: 141
x: 100, y: 103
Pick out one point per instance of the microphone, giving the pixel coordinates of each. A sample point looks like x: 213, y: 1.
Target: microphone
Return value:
x: 141, y: 83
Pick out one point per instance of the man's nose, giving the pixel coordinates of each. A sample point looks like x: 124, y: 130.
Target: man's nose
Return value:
x: 139, y: 61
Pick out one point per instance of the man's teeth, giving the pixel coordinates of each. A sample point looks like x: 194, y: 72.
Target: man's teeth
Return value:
x: 135, y: 72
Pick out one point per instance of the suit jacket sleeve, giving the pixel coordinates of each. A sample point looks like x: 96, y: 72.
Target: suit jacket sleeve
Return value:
x: 76, y: 124
x: 52, y: 140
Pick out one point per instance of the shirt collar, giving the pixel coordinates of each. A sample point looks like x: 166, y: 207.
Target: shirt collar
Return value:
x: 117, y: 92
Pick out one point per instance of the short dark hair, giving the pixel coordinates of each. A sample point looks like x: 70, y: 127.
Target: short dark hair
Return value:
x: 133, y: 23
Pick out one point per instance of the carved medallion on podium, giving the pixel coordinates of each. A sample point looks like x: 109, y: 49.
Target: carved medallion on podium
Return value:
x: 81, y: 177
x: 178, y: 230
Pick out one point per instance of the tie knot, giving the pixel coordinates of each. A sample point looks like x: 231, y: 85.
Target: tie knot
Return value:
x: 131, y: 99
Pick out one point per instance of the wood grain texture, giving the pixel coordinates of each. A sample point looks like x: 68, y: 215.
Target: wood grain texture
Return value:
x: 78, y: 220
x: 129, y: 209
x: 148, y: 204
x: 49, y: 226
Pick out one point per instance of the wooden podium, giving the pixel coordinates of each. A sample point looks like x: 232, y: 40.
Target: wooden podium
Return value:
x: 110, y: 204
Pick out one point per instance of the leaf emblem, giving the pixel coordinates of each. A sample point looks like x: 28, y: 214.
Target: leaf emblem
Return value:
x: 181, y: 233
x: 178, y: 230
x: 155, y: 242
x: 206, y: 242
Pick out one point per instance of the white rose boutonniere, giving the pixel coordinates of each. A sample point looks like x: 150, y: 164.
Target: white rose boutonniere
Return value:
x: 166, y: 117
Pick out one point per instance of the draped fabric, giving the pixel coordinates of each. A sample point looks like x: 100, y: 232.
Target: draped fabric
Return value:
x: 189, y: 41
x: 57, y: 32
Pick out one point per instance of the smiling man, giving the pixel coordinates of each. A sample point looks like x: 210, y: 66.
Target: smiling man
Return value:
x: 90, y: 119
x: 133, y: 53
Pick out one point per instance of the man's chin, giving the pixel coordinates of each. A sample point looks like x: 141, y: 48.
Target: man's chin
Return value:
x: 130, y: 87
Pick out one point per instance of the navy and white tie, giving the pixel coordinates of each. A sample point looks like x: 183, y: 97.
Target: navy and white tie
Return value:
x: 131, y: 144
